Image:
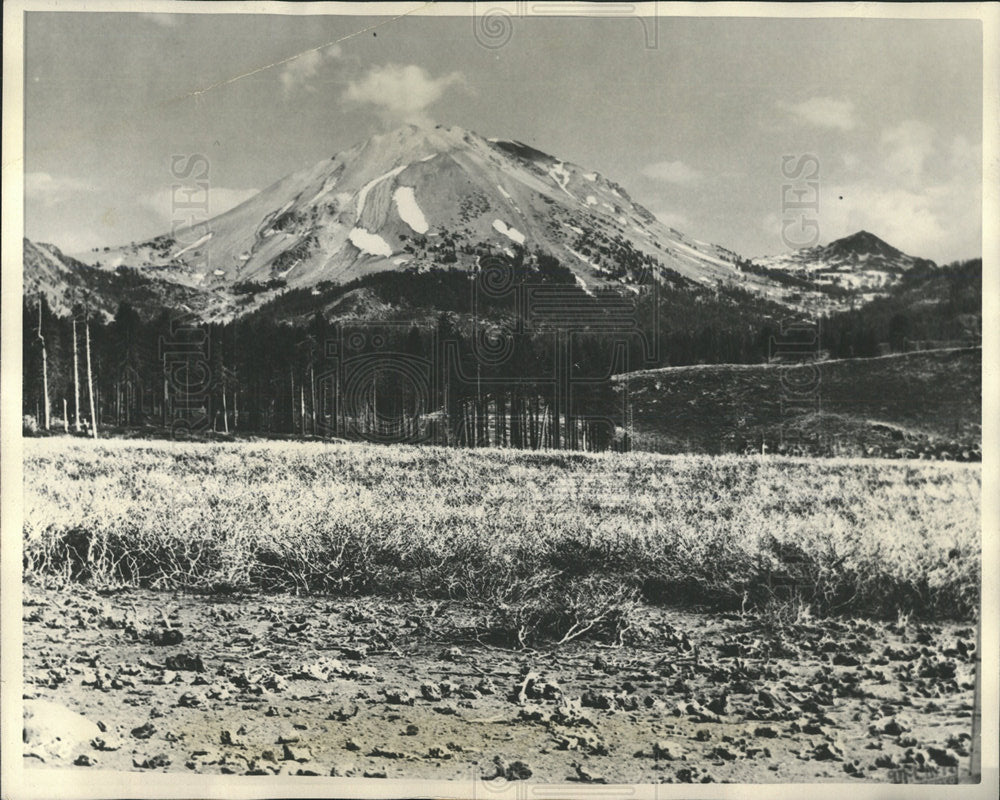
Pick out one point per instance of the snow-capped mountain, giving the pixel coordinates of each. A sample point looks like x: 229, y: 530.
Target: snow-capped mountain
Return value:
x: 418, y: 197
x: 861, y: 262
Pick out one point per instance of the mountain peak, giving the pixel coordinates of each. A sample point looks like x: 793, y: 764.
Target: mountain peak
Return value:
x: 862, y: 242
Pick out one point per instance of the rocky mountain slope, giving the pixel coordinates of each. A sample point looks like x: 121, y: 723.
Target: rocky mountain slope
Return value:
x: 860, y: 266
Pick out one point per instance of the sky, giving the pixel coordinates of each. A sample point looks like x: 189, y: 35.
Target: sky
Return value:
x: 693, y: 117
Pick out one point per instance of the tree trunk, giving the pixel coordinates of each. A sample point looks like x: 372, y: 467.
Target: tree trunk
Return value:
x: 225, y: 411
x: 302, y: 409
x: 312, y: 394
x: 90, y: 383
x: 76, y: 382
x: 45, y: 365
x: 65, y: 417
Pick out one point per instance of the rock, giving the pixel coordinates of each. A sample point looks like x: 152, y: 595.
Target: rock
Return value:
x: 402, y: 697
x: 724, y: 753
x: 602, y: 700
x: 514, y: 771
x: 166, y: 638
x: 827, y: 751
x: 661, y: 750
x: 144, y: 731
x: 765, y: 732
x: 350, y: 744
x: 942, y: 757
x: 430, y: 692
x: 411, y: 730
x: 191, y: 700
x: 52, y: 730
x: 158, y: 761
x: 586, y: 775
x: 343, y: 713
x: 295, y: 752
x: 83, y: 760
x: 106, y: 742
x: 184, y: 662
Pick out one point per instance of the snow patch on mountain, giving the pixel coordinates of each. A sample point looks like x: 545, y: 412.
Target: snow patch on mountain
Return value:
x: 370, y: 243
x: 363, y: 193
x: 193, y: 245
x: 510, y: 232
x: 409, y: 211
x: 560, y: 175
x: 591, y: 200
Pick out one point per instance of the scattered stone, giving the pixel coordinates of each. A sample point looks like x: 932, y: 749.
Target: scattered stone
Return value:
x: 401, y: 697
x: 185, y: 662
x: 295, y: 752
x: 144, y: 731
x: 586, y: 775
x: 765, y: 732
x: 411, y: 730
x: 430, y: 692
x: 343, y: 713
x: 83, y: 760
x: 661, y: 751
x: 166, y: 638
x: 159, y: 761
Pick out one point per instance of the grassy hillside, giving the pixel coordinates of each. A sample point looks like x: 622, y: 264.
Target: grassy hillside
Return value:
x: 536, y: 537
x: 924, y: 404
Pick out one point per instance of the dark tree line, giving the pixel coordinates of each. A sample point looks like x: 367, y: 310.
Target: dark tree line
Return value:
x: 474, y: 371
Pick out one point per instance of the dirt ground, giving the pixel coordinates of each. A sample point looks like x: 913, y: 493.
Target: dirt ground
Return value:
x: 287, y: 685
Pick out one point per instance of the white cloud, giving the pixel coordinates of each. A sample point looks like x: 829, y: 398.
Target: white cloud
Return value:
x: 301, y: 69
x: 908, y: 146
x: 164, y: 204
x: 401, y: 93
x: 672, y: 172
x: 823, y: 112
x: 50, y: 190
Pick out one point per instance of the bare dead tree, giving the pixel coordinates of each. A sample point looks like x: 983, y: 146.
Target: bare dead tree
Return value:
x: 90, y: 380
x: 45, y: 365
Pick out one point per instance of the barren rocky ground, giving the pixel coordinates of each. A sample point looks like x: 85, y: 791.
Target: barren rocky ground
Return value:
x: 260, y: 684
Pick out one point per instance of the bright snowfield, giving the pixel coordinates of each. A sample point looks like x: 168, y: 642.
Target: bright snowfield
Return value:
x: 409, y: 211
x: 511, y: 233
x: 369, y: 243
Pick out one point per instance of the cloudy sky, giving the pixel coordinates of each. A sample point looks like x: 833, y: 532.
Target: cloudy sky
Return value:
x: 695, y: 125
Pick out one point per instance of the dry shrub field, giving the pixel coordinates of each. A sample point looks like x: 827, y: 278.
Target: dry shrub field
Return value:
x: 311, y: 609
x: 546, y: 541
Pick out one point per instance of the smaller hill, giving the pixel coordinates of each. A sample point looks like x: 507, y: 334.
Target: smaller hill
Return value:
x: 921, y: 404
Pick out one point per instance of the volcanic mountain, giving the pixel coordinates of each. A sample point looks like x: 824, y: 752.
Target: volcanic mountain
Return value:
x: 417, y: 197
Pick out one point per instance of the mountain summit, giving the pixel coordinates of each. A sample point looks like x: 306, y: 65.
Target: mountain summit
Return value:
x: 861, y: 262
x: 418, y: 197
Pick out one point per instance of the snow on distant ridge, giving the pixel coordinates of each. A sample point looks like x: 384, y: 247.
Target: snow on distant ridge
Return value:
x: 510, y: 232
x: 370, y: 243
x: 409, y: 211
x: 193, y: 245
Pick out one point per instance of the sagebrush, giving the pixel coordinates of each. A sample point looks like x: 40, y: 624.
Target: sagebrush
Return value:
x: 526, y: 533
